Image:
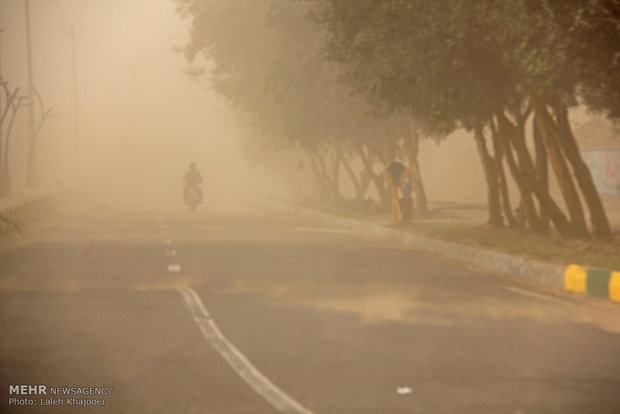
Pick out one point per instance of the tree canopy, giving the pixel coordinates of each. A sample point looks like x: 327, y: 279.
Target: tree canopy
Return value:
x: 352, y: 76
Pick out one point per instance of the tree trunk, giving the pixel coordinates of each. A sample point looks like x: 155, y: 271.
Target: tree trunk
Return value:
x: 412, y: 148
x: 334, y: 178
x: 376, y: 179
x: 556, y: 215
x: 318, y: 167
x: 514, y: 137
x: 498, y: 148
x: 7, y: 144
x: 526, y: 179
x: 551, y: 140
x: 421, y: 201
x: 359, y: 194
x: 490, y: 175
x: 542, y: 170
x: 4, y: 182
x: 31, y: 180
x: 364, y: 182
x: 5, y: 179
x: 598, y: 216
x: 524, y: 217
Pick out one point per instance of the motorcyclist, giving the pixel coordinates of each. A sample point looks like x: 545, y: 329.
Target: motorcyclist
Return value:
x: 192, y: 179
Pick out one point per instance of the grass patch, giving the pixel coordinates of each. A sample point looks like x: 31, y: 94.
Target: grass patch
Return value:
x: 550, y: 248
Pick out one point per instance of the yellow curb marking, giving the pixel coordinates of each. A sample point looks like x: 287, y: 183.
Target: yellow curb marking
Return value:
x: 614, y: 286
x: 575, y: 278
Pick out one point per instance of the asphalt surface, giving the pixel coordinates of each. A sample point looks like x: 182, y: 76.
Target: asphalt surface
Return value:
x: 339, y: 322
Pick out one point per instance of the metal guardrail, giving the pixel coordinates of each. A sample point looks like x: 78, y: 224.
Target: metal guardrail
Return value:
x: 12, y: 218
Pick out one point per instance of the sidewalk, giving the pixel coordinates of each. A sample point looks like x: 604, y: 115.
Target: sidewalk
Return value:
x: 476, y: 213
x: 458, y: 212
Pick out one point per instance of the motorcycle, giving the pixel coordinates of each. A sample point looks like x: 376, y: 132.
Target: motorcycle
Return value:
x: 193, y: 196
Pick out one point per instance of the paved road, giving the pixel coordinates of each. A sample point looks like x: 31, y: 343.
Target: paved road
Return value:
x: 267, y: 314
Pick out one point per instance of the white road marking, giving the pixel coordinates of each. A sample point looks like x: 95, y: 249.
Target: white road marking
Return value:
x: 171, y: 252
x: 536, y: 295
x: 404, y: 390
x: 174, y: 268
x: 323, y: 230
x: 237, y: 361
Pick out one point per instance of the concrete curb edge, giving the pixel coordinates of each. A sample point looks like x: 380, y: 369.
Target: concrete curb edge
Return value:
x: 571, y: 277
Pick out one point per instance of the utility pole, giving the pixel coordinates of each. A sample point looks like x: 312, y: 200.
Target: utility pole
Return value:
x: 1, y: 30
x: 30, y: 93
x: 76, y: 108
x: 72, y: 32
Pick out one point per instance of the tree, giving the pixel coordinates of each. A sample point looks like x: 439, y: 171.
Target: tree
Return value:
x: 268, y: 61
x: 9, y: 106
x: 485, y: 66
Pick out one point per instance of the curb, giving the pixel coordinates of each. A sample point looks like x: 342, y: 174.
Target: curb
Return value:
x: 12, y: 217
x: 574, y: 278
x: 593, y: 282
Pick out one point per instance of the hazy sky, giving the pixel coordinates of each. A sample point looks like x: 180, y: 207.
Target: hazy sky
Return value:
x: 142, y: 120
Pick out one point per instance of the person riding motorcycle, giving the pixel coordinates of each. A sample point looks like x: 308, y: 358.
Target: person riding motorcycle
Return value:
x: 192, y: 180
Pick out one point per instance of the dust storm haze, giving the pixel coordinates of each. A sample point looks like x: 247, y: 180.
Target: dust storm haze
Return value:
x: 141, y: 119
x: 390, y: 223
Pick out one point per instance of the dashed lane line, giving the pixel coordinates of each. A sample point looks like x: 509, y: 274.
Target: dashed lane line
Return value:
x: 238, y: 362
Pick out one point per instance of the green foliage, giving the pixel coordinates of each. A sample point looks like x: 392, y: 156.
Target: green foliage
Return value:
x: 458, y: 62
x: 268, y: 61
x: 437, y: 60
x: 591, y: 29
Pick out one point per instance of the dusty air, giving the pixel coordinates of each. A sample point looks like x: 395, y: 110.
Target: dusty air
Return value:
x: 310, y: 206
